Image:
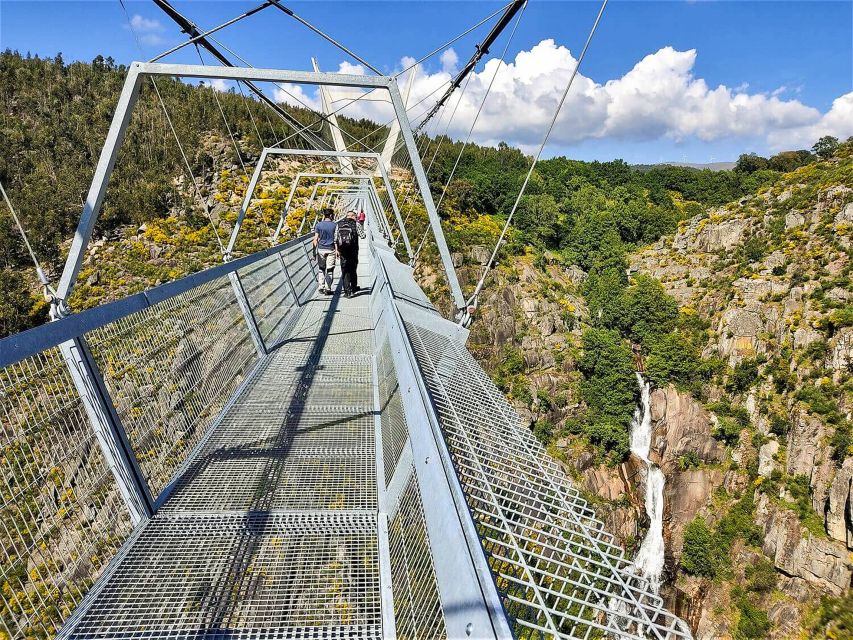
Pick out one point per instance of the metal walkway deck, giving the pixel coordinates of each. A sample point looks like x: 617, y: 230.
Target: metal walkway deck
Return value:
x: 271, y: 530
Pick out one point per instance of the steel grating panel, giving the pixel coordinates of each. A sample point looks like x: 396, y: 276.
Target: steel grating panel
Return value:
x: 417, y: 608
x: 561, y: 574
x: 257, y: 480
x: 61, y: 515
x: 294, y: 428
x: 170, y: 369
x: 257, y: 576
x: 269, y: 296
x: 395, y: 431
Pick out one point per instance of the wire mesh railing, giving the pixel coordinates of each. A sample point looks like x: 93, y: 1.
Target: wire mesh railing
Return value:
x: 559, y: 572
x: 169, y: 359
x: 61, y: 517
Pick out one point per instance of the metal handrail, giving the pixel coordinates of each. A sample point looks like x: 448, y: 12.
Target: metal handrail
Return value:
x: 28, y: 343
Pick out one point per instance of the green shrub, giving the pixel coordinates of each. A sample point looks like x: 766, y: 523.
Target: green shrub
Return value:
x: 690, y: 460
x: 842, y: 441
x: 745, y: 375
x: 835, y: 618
x: 753, y: 623
x: 673, y: 359
x: 698, y: 555
x: 779, y: 425
x: 761, y: 576
x: 610, y: 436
x: 543, y: 429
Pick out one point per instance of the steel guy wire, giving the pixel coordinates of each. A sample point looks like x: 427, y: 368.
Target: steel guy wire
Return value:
x: 450, y: 42
x: 39, y: 271
x: 471, y: 130
x: 488, y: 266
x: 175, y: 134
x: 201, y: 36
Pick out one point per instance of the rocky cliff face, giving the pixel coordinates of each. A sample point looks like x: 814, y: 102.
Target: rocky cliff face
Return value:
x: 772, y: 275
x: 766, y: 447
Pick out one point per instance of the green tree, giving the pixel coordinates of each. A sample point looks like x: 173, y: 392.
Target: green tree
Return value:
x: 609, y: 386
x: 649, y: 311
x: 674, y: 359
x: 750, y: 163
x: 538, y: 216
x: 825, y: 147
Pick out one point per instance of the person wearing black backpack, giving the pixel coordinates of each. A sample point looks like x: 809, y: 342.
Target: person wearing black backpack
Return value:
x: 346, y: 244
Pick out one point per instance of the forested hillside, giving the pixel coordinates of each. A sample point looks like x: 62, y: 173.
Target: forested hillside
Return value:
x: 53, y: 121
x: 728, y: 291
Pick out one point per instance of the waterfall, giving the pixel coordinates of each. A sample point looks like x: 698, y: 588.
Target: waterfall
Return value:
x: 649, y: 560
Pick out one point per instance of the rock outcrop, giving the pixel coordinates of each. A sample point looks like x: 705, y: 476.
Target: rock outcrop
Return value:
x: 799, y: 554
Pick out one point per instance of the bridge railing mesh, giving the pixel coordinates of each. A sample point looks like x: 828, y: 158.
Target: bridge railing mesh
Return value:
x: 61, y: 517
x: 169, y: 368
x: 417, y: 607
x: 560, y: 574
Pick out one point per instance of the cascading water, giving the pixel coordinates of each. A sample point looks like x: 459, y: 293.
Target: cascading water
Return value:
x: 649, y: 561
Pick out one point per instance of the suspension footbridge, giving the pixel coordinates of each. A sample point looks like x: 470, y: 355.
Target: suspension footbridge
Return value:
x: 235, y: 455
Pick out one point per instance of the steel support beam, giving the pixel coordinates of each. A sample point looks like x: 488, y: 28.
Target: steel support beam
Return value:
x: 98, y: 188
x: 248, y: 315
x: 332, y: 120
x: 124, y: 108
x: 426, y: 194
x: 256, y: 175
x: 108, y: 428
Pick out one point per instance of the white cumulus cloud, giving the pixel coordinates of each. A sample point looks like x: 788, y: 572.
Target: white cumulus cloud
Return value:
x: 148, y: 30
x: 659, y: 98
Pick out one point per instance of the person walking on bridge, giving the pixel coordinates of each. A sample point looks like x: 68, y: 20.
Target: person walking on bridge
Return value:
x: 346, y: 243
x: 324, y: 249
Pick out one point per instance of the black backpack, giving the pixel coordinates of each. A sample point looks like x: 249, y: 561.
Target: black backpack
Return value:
x: 346, y: 234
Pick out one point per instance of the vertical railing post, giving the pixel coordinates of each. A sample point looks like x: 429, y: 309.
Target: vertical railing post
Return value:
x: 248, y: 316
x: 289, y: 280
x: 108, y: 428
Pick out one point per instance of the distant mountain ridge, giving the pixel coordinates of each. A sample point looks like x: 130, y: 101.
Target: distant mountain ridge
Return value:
x: 713, y: 166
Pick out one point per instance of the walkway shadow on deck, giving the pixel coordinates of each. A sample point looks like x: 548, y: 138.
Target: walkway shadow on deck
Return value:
x: 237, y: 583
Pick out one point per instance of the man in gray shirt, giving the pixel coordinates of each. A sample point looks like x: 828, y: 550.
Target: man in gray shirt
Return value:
x: 324, y: 247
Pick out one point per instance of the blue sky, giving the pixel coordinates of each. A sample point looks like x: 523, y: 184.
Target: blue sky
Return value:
x: 716, y: 79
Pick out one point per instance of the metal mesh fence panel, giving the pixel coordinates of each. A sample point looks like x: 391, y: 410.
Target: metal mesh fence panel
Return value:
x: 300, y: 267
x: 170, y: 369
x: 62, y: 517
x: 417, y: 608
x: 394, y: 429
x: 269, y: 296
x: 559, y: 572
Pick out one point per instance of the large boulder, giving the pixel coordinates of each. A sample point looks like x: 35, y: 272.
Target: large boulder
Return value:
x: 839, y: 510
x: 797, y: 553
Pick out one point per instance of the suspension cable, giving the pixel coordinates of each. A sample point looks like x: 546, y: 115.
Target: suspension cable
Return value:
x: 48, y: 289
x: 201, y: 36
x: 480, y: 109
x: 470, y: 131
x: 325, y: 36
x: 189, y: 169
x: 231, y: 134
x: 472, y: 300
x: 454, y: 40
x: 224, y: 119
x: 175, y: 134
